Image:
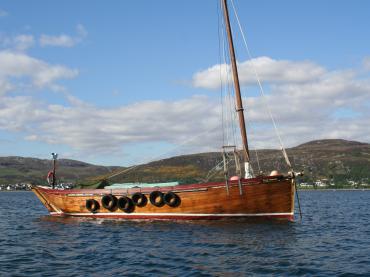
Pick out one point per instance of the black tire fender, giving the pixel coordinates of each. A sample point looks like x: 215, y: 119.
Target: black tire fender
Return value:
x: 125, y: 204
x: 156, y: 198
x: 139, y: 199
x: 109, y: 202
x: 172, y: 199
x: 92, y: 205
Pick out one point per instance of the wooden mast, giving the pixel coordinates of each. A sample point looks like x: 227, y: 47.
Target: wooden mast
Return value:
x: 239, y: 103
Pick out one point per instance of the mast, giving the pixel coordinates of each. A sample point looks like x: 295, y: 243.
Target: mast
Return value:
x: 238, y: 98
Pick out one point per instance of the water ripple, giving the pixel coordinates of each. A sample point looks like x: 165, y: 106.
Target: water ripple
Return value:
x: 333, y: 239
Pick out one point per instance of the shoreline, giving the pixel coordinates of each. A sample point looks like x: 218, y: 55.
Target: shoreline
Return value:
x: 15, y: 191
x: 333, y: 189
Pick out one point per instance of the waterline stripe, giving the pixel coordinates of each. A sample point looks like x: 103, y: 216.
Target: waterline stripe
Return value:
x: 170, y: 214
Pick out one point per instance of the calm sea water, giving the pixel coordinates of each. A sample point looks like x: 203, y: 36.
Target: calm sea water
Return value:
x: 333, y: 239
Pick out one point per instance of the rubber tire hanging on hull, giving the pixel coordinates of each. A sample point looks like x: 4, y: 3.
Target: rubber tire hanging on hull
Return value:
x: 125, y: 204
x: 139, y: 199
x: 156, y: 198
x: 172, y: 199
x: 92, y: 205
x: 109, y: 202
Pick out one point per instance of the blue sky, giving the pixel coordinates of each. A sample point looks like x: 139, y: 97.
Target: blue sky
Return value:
x: 75, y: 74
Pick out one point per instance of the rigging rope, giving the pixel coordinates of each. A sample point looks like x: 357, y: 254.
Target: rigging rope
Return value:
x: 157, y: 158
x: 231, y: 117
x: 215, y: 169
x: 221, y: 80
x: 222, y: 115
x: 297, y: 196
x: 258, y: 162
x: 262, y: 90
x: 230, y: 123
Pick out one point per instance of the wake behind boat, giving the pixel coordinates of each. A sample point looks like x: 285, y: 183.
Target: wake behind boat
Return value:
x: 238, y: 197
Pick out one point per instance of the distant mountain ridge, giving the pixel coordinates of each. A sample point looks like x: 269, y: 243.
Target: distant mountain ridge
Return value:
x: 334, y: 159
x: 15, y: 169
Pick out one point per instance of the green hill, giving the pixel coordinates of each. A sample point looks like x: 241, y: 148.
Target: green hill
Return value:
x: 333, y: 159
x: 31, y: 170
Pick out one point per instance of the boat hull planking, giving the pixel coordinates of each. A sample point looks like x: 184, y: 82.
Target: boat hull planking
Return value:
x: 261, y: 198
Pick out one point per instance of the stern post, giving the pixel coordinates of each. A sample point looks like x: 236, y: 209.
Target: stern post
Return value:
x: 55, y: 157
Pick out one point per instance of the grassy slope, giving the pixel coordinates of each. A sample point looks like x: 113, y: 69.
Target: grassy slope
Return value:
x: 339, y: 159
x: 31, y: 170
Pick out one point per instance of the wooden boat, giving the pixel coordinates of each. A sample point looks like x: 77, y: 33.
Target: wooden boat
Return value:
x: 267, y: 197
x: 261, y: 196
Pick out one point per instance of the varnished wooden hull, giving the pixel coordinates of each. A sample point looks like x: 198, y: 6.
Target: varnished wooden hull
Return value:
x: 266, y: 197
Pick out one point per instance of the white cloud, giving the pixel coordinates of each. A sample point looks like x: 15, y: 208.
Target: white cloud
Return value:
x: 61, y: 40
x: 366, y: 63
x: 23, y: 42
x: 268, y: 70
x: 306, y: 107
x: 17, y: 43
x: 16, y: 113
x: 20, y: 65
x: 5, y: 86
x: 64, y: 40
x: 89, y: 128
x: 306, y: 99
